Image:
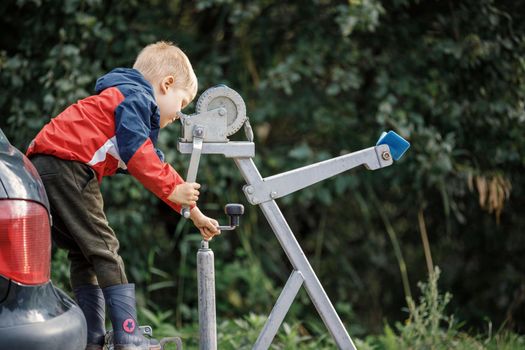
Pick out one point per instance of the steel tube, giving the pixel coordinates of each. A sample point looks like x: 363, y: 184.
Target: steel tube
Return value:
x: 279, y: 311
x: 206, y: 290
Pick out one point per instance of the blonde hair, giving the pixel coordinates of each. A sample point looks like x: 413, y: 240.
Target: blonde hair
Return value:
x: 163, y: 58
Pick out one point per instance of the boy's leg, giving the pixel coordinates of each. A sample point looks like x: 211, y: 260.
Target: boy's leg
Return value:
x: 84, y: 282
x: 123, y: 313
x: 65, y: 183
x: 97, y: 239
x: 91, y: 300
x: 81, y: 270
x: 77, y: 206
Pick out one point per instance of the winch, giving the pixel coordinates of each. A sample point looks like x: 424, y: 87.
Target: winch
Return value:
x: 221, y: 112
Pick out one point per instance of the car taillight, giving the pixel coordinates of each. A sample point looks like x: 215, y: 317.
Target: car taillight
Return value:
x: 25, y: 241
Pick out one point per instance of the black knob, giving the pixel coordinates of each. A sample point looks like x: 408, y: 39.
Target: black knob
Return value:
x: 234, y: 211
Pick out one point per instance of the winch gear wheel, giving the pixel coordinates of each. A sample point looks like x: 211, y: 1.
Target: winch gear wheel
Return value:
x: 222, y: 96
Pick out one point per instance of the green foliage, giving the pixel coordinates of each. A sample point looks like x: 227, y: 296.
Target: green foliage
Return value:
x: 60, y: 270
x: 428, y: 326
x: 424, y: 328
x: 320, y: 78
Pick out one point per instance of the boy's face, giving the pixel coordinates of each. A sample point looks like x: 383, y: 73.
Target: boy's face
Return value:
x: 171, y: 100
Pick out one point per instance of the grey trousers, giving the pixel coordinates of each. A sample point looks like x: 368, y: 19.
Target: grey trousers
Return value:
x: 79, y: 223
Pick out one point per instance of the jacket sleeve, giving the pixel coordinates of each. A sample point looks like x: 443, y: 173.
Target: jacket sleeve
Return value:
x: 132, y: 129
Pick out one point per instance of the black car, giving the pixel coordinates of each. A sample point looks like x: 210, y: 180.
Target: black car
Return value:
x: 34, y: 314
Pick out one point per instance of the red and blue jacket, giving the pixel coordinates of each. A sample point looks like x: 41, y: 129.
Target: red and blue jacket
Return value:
x: 117, y: 129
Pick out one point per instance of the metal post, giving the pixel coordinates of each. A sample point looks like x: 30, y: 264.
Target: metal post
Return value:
x: 206, y: 290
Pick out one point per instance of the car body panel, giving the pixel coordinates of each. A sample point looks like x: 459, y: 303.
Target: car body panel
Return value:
x: 30, y: 304
x: 4, y: 144
x: 50, y: 320
x: 3, y: 192
x: 18, y: 176
x: 33, y: 317
x: 4, y: 288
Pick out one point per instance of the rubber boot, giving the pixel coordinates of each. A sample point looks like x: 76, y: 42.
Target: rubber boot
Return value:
x: 91, y: 301
x: 120, y: 300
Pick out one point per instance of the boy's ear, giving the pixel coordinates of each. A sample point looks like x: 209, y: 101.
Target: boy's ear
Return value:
x: 166, y: 83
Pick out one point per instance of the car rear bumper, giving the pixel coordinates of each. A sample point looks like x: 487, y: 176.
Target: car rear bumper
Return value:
x: 66, y: 330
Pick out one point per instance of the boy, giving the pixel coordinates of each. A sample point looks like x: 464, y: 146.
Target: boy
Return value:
x: 115, y: 130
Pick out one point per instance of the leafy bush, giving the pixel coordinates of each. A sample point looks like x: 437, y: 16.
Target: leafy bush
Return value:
x: 428, y: 327
x: 320, y: 79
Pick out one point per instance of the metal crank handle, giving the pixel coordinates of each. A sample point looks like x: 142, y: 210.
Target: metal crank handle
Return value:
x: 198, y: 135
x: 234, y: 211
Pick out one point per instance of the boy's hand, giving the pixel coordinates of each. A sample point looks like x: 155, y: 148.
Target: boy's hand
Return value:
x: 207, y: 226
x: 185, y: 194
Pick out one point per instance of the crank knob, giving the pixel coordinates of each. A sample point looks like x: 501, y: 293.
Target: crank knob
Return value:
x: 234, y: 211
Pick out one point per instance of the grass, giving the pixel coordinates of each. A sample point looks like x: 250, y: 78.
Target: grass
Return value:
x: 428, y: 327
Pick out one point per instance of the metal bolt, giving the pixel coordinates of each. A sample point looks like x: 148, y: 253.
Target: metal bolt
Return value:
x: 198, y: 132
x: 222, y: 111
x: 273, y: 194
x: 188, y: 122
x: 385, y: 155
x: 249, y: 189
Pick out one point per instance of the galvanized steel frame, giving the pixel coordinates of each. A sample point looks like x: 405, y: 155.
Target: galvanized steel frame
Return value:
x: 263, y: 192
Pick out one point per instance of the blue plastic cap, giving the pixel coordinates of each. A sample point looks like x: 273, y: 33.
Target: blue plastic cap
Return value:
x: 398, y: 145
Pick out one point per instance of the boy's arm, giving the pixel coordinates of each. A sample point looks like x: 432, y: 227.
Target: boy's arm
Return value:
x: 158, y: 177
x: 208, y: 227
x: 132, y: 129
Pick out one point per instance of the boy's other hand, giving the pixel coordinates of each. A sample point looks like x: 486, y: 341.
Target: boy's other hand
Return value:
x: 207, y: 226
x: 185, y: 194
